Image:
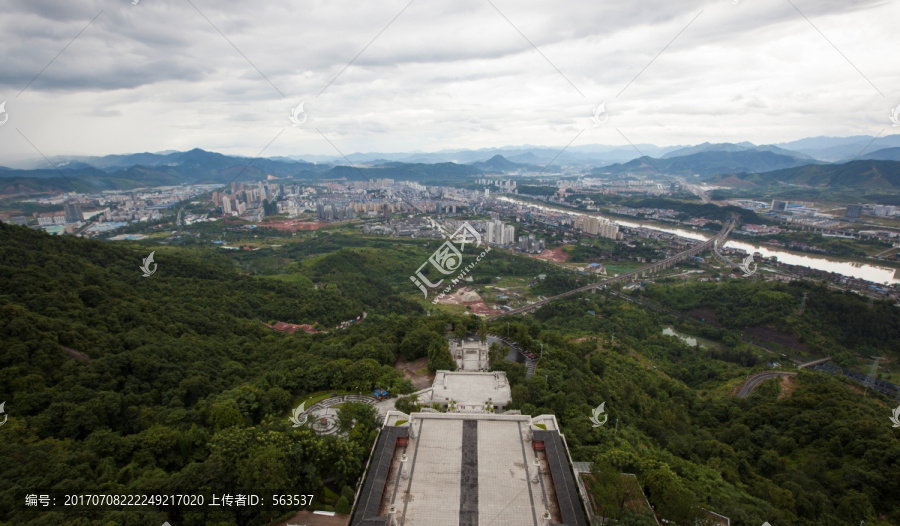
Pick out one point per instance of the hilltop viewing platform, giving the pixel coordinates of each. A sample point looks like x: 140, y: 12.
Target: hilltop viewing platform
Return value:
x: 468, y: 392
x: 445, y: 469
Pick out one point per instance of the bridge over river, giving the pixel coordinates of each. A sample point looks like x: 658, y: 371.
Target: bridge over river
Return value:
x: 636, y: 274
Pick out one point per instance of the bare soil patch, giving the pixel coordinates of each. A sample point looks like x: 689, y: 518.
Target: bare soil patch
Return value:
x: 471, y: 299
x: 557, y: 255
x: 788, y: 386
x: 416, y: 372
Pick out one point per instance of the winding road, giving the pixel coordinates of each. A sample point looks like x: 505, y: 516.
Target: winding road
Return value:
x: 759, y: 378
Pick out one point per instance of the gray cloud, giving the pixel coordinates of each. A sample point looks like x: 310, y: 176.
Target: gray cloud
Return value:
x: 445, y: 74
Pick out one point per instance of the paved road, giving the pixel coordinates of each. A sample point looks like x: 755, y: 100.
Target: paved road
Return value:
x: 696, y: 249
x: 757, y: 379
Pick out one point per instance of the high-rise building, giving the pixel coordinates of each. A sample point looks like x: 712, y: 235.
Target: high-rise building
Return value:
x: 509, y: 235
x: 499, y: 233
x: 779, y: 206
x: 73, y: 213
x: 608, y: 229
x: 854, y: 211
x: 596, y: 226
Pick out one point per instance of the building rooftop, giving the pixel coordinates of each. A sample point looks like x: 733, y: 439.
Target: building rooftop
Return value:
x: 470, y: 389
x: 450, y: 469
x: 471, y: 355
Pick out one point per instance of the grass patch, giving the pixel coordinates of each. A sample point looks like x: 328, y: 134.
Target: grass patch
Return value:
x: 620, y: 267
x: 314, y: 398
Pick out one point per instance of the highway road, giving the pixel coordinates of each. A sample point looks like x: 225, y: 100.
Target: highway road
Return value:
x: 696, y: 249
x: 759, y: 378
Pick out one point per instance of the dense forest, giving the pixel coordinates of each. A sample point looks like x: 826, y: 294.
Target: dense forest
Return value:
x: 822, y: 454
x: 117, y: 382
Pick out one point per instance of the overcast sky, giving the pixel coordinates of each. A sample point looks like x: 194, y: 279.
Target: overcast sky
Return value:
x: 157, y: 75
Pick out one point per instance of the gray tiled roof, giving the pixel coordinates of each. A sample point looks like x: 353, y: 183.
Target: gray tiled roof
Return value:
x: 366, y: 513
x: 563, y: 481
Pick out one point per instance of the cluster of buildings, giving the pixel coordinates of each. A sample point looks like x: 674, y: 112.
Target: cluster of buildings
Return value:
x: 503, y: 184
x: 71, y: 213
x: 499, y: 233
x: 650, y: 213
x: 857, y: 211
x: 530, y: 245
x: 628, y: 186
x: 760, y: 230
x: 416, y: 227
x: 102, y: 211
x: 596, y: 226
x: 333, y: 212
x: 346, y: 211
x: 244, y: 196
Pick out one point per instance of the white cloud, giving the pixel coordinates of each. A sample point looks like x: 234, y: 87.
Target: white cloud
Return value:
x: 444, y: 74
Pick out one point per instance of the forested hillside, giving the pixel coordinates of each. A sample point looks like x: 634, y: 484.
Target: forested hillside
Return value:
x: 118, y: 382
x: 113, y: 381
x: 819, y: 453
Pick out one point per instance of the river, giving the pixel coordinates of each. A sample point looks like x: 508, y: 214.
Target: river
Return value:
x: 866, y: 271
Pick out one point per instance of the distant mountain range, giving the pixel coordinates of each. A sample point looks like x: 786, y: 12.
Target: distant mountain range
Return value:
x: 708, y: 162
x: 498, y: 163
x: 732, y: 147
x: 579, y: 156
x: 202, y: 167
x: 805, y: 162
x: 122, y: 172
x: 834, y: 149
x: 860, y: 174
x: 885, y: 154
